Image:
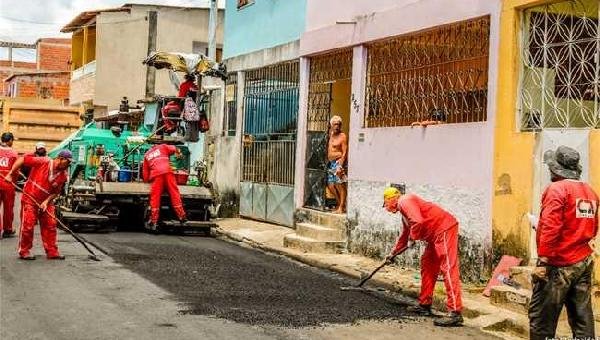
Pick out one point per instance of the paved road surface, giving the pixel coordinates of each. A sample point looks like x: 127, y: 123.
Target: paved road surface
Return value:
x: 171, y: 287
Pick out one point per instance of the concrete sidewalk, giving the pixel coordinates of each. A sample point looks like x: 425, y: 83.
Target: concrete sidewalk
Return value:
x: 478, y: 311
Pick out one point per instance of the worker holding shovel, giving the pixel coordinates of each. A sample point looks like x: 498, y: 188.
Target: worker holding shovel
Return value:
x: 44, y: 184
x: 428, y: 222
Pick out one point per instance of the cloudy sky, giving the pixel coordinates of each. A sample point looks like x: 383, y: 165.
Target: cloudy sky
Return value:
x: 28, y: 20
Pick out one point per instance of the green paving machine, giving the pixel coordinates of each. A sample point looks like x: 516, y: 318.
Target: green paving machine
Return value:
x: 106, y: 191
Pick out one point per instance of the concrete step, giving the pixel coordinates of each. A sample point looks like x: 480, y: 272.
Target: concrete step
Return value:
x: 522, y: 276
x: 322, y: 218
x: 320, y: 233
x: 516, y: 300
x: 310, y: 245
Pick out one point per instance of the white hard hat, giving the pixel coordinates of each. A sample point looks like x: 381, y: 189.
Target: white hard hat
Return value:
x: 40, y: 145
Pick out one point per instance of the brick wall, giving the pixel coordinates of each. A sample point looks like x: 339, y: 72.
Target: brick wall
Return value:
x: 6, y: 70
x: 54, y: 54
x: 53, y: 85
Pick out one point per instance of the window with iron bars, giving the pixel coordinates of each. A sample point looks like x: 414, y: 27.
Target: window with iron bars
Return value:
x: 440, y: 74
x: 230, y: 114
x: 559, y: 66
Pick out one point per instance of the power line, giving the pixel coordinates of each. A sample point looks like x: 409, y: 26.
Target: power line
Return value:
x: 29, y: 21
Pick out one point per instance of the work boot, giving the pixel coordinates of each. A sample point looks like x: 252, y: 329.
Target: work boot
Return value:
x: 56, y: 257
x: 8, y: 233
x: 152, y: 226
x: 454, y: 319
x: 27, y: 257
x: 424, y: 310
x: 183, y: 221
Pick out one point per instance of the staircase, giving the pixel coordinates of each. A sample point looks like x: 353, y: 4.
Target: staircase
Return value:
x: 318, y: 232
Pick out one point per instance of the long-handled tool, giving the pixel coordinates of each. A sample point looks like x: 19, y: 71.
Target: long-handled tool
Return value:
x: 359, y: 286
x: 61, y: 225
x: 139, y: 145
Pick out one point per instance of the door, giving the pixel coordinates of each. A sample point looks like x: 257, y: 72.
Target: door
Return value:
x: 269, y: 143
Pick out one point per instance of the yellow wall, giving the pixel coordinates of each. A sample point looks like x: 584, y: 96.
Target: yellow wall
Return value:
x: 77, y: 50
x: 595, y: 161
x: 340, y: 102
x: 513, y: 166
x: 514, y: 150
x: 90, y: 46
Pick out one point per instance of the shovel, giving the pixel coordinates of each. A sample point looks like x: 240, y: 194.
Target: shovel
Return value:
x: 359, y: 286
x: 60, y: 224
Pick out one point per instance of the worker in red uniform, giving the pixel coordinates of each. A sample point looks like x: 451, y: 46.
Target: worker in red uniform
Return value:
x: 157, y: 170
x: 188, y: 86
x: 563, y: 276
x: 428, y: 222
x: 45, y: 182
x: 8, y: 156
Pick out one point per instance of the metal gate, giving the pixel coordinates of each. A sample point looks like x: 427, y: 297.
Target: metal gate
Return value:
x: 324, y: 71
x: 558, y: 89
x: 269, y: 143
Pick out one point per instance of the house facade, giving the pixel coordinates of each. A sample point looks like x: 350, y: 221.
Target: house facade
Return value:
x: 110, y: 44
x: 251, y: 150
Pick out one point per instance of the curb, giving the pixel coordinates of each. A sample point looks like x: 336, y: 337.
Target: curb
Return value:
x: 490, y: 326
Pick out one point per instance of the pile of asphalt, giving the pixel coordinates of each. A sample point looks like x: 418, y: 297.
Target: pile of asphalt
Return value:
x: 216, y: 278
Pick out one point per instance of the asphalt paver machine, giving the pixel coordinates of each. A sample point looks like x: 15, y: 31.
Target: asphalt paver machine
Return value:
x: 106, y: 191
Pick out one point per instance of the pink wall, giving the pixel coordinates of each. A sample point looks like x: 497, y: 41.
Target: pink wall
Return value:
x: 392, y: 18
x: 448, y: 155
x: 319, y: 15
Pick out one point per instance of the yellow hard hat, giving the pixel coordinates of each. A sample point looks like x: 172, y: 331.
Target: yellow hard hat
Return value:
x: 390, y: 192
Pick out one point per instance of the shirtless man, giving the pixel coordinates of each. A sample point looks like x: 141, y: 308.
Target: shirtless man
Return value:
x: 337, y: 151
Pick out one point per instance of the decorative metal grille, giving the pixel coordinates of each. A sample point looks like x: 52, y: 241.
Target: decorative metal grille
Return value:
x: 324, y: 70
x: 560, y: 67
x: 438, y: 74
x: 230, y: 114
x: 270, y: 122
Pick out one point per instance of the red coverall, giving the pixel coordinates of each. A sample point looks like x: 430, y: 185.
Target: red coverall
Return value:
x: 43, y: 182
x: 157, y: 170
x: 8, y: 156
x: 568, y: 221
x: 428, y: 222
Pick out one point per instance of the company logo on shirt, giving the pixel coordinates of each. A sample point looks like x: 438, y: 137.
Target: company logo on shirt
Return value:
x: 585, y: 208
x: 4, y: 162
x: 153, y: 154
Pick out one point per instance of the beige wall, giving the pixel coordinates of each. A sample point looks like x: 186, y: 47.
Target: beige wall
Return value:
x: 122, y: 45
x: 53, y: 121
x: 82, y: 89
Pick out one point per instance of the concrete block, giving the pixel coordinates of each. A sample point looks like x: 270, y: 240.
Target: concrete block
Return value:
x: 311, y: 245
x: 320, y: 233
x: 522, y: 276
x: 322, y: 218
x: 516, y: 300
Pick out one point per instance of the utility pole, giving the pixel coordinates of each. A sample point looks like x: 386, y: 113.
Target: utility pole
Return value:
x: 212, y: 31
x: 151, y: 71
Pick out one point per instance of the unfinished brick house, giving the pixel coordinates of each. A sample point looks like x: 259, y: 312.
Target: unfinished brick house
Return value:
x: 48, y: 77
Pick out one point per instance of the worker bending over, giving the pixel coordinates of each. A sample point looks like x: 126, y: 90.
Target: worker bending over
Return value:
x: 46, y: 180
x: 157, y: 170
x: 428, y: 222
